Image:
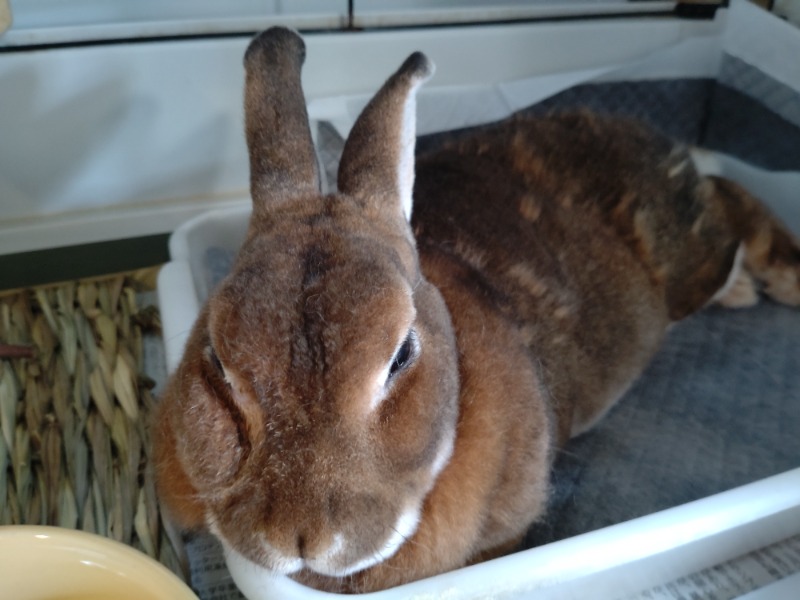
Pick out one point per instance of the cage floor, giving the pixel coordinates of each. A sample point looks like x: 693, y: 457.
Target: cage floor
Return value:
x: 718, y: 407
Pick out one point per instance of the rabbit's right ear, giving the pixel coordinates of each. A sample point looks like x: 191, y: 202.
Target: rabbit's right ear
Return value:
x: 377, y: 163
x: 283, y: 164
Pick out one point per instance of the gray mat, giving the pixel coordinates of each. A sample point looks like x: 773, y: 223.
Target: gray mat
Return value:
x: 718, y: 407
x: 702, y: 112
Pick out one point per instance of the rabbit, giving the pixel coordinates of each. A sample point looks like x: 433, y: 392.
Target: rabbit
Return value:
x: 375, y: 394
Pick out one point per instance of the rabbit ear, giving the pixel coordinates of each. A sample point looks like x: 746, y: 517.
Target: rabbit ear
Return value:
x: 282, y: 159
x: 378, y: 157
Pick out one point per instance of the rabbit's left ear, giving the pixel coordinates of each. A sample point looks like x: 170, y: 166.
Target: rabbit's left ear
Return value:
x: 283, y: 164
x: 377, y: 165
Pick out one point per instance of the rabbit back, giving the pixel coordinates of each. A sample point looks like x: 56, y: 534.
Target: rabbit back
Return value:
x: 591, y: 234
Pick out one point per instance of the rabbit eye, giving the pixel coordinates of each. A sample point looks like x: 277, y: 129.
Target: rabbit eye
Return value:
x: 215, y: 362
x: 212, y: 356
x: 405, y: 355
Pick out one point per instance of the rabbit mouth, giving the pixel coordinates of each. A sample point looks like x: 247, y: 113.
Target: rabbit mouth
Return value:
x: 328, y: 563
x: 333, y: 561
x: 278, y: 563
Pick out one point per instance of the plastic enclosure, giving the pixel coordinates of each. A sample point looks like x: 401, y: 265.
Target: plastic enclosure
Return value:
x: 613, y: 562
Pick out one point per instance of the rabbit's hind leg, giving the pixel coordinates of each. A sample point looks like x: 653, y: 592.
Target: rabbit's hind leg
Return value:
x: 770, y: 254
x: 741, y: 289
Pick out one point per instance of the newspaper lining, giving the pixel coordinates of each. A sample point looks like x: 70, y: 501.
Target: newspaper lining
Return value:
x: 734, y: 578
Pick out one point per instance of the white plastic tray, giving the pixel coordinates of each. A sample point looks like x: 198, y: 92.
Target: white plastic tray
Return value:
x: 610, y: 563
x: 613, y: 562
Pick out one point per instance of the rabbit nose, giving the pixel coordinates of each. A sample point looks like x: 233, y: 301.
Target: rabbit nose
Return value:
x: 309, y: 546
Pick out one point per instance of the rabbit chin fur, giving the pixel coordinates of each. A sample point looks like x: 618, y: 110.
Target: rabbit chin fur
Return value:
x: 365, y: 401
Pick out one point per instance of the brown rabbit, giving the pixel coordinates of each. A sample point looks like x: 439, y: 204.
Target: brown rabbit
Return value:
x: 369, y: 398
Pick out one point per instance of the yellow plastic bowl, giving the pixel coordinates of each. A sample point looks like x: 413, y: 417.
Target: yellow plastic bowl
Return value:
x: 51, y: 563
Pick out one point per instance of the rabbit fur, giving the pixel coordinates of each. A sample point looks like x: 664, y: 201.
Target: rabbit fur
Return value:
x: 373, y: 395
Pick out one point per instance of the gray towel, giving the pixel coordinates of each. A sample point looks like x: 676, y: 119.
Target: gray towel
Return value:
x: 718, y: 407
